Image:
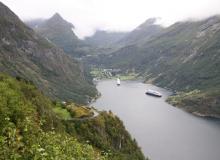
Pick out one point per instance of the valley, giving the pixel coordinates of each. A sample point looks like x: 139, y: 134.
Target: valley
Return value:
x: 183, y: 57
x: 37, y: 78
x: 59, y: 98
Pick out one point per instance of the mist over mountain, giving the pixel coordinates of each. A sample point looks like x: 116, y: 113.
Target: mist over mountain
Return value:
x: 61, y: 33
x: 108, y: 42
x: 34, y: 23
x: 143, y: 32
x: 88, y: 16
x: 104, y: 38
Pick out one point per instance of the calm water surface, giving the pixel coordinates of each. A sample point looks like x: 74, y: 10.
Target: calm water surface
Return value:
x: 161, y: 130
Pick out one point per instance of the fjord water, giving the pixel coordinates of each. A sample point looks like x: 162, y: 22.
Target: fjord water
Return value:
x: 161, y: 130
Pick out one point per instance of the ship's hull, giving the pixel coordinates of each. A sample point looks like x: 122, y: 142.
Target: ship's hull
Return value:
x: 118, y: 82
x: 152, y: 94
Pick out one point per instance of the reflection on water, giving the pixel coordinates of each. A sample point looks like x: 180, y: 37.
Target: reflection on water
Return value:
x: 162, y: 131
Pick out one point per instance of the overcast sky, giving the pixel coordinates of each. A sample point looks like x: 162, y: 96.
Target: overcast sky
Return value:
x: 116, y: 15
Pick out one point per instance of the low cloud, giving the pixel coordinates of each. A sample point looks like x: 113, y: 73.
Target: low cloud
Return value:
x: 115, y: 15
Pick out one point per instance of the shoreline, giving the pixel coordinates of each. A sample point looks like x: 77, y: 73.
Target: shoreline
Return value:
x: 205, y: 115
x: 195, y: 113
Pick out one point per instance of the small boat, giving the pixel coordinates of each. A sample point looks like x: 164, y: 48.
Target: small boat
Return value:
x: 153, y: 93
x: 118, y: 82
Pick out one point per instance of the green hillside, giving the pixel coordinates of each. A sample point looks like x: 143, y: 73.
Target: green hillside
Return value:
x: 30, y: 129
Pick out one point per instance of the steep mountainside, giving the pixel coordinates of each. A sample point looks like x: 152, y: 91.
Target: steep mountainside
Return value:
x: 23, y: 53
x: 104, y: 38
x: 183, y: 57
x: 61, y: 33
x: 30, y: 129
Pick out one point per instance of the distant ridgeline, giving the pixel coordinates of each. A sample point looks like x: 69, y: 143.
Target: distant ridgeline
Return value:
x: 32, y: 128
x: 184, y: 57
x: 24, y: 53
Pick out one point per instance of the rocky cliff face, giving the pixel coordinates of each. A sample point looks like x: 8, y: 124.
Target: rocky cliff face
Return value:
x: 26, y: 54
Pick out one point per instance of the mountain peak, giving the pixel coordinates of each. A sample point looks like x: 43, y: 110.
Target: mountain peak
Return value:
x: 149, y: 22
x: 56, y: 16
x: 143, y: 32
x: 57, y: 20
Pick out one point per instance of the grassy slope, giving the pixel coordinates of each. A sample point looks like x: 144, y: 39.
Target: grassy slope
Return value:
x: 30, y: 129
